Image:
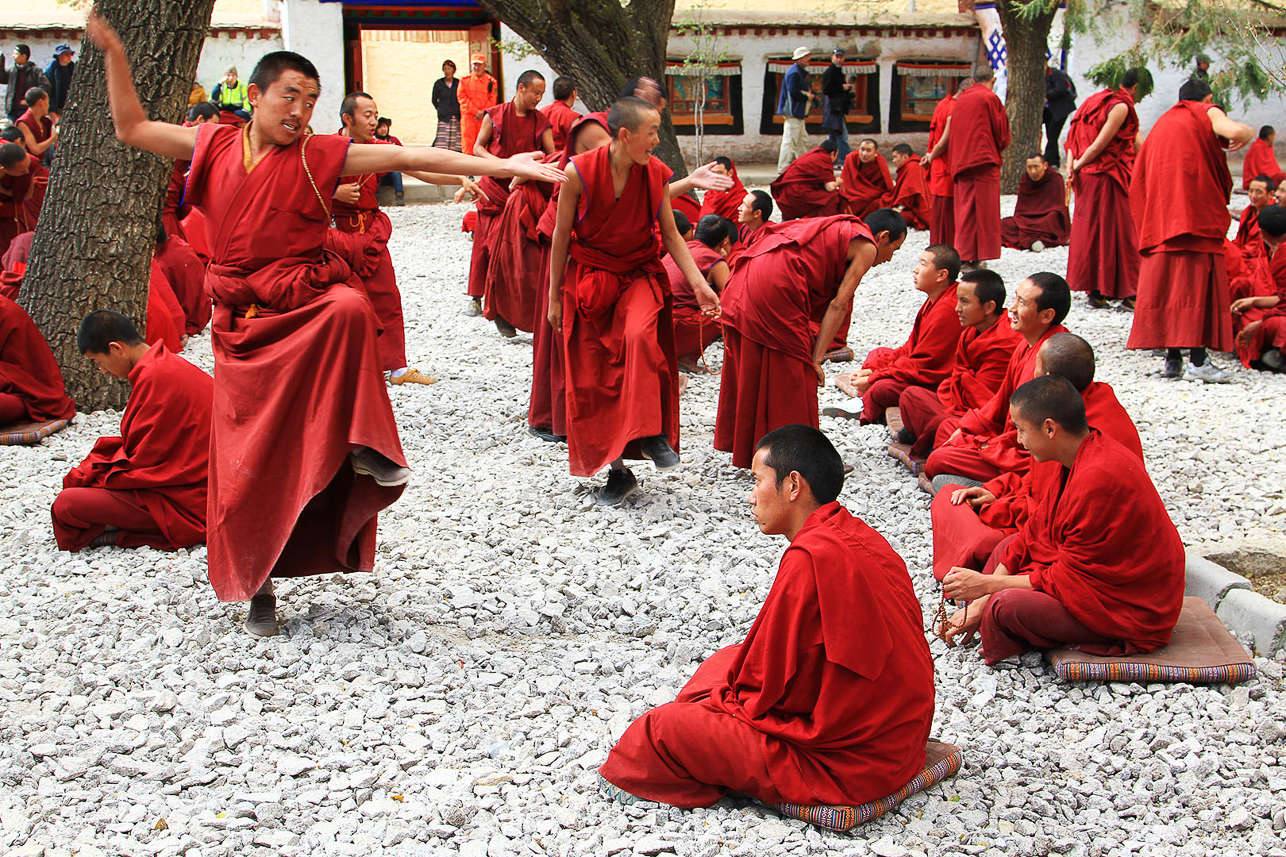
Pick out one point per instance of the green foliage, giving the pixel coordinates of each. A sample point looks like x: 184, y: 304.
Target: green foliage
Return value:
x: 1111, y: 71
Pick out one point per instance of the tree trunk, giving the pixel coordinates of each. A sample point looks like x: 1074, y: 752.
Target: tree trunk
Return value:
x: 1025, y: 40
x: 602, y: 44
x: 97, y: 231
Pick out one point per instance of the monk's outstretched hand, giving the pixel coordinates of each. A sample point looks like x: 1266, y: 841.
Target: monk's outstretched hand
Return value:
x: 707, y: 179
x: 975, y: 496
x: 103, y: 34
x: 965, y: 584
x: 531, y: 165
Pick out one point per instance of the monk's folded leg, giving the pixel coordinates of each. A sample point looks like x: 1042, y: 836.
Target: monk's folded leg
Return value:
x: 879, y: 397
x: 960, y: 539
x: 922, y: 412
x: 1019, y: 620
x: 961, y: 461
x: 12, y: 410
x: 83, y: 514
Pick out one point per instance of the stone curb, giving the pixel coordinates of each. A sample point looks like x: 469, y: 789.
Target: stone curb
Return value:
x: 1262, y: 618
x: 1210, y: 581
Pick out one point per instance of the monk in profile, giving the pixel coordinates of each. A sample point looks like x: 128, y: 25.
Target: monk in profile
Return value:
x: 1259, y: 311
x: 1261, y: 159
x: 694, y: 329
x: 807, y: 187
x: 829, y: 699
x: 1040, y: 217
x: 910, y: 195
x: 23, y: 181
x: 725, y: 203
x: 562, y: 112
x: 31, y: 384
x: 865, y: 179
x: 1259, y: 193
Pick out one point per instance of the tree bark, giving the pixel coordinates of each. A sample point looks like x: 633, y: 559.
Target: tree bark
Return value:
x: 93, y: 245
x: 1025, y: 41
x: 602, y: 44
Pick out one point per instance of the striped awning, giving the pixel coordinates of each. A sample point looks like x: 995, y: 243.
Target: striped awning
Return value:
x: 861, y: 67
x: 681, y: 68
x: 938, y: 69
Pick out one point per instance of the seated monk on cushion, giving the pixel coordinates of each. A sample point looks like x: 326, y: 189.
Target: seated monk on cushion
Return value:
x: 1259, y: 312
x: 910, y: 194
x: 829, y: 699
x: 695, y: 329
x: 865, y: 179
x: 148, y: 486
x: 31, y: 384
x: 1080, y: 574
x: 1259, y: 193
x: 1040, y: 218
x: 807, y: 188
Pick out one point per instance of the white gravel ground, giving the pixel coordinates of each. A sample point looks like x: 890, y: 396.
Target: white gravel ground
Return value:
x: 459, y: 699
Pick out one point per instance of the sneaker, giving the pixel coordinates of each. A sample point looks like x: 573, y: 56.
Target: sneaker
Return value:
x: 475, y: 308
x: 1173, y: 368
x: 262, y: 620
x: 840, y: 413
x: 621, y: 486
x: 1037, y: 246
x: 1128, y: 304
x: 1274, y: 359
x: 385, y: 472
x: 412, y: 376
x: 401, y: 199
x: 1209, y: 373
x: 658, y: 450
x: 506, y: 329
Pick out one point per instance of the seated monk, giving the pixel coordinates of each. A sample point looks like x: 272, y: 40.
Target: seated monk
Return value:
x: 18, y: 253
x: 925, y: 359
x: 1080, y: 574
x: 185, y: 274
x: 31, y: 384
x: 910, y: 193
x: 1261, y: 159
x: 982, y: 356
x: 1259, y: 193
x: 1040, y: 218
x: 23, y: 181
x: 725, y: 203
x: 148, y: 486
x: 865, y: 179
x: 829, y: 699
x: 165, y: 320
x: 37, y: 126
x: 1259, y: 317
x: 969, y: 523
x: 755, y: 211
x: 807, y: 188
x: 694, y: 329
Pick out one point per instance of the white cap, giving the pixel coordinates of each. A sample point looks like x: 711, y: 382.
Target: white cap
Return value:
x: 801, y: 52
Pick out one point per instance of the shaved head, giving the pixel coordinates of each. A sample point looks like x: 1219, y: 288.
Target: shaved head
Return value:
x: 1070, y: 357
x: 629, y: 113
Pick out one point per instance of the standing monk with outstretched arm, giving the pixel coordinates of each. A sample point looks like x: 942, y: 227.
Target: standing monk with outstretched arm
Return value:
x: 304, y: 450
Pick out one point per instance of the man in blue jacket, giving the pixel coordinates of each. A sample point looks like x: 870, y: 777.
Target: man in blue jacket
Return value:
x: 793, y: 105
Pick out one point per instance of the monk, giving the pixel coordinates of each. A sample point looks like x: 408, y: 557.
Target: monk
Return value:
x: 980, y: 445
x: 986, y: 343
x: 864, y: 181
x: 23, y: 181
x: 147, y: 486
x: 31, y: 384
x: 165, y: 321
x: 829, y: 699
x: 36, y: 125
x: 1259, y: 193
x: 1261, y: 159
x: 693, y: 329
x: 1183, y: 295
x: 478, y: 92
x: 969, y: 523
x: 562, y: 113
x: 618, y: 337
x: 976, y: 134
x: 173, y: 210
x: 1040, y: 217
x: 725, y: 203
x: 942, y: 213
x: 797, y: 275
x: 1079, y: 574
x: 507, y: 129
x: 755, y: 211
x: 185, y: 274
x: 1103, y: 255
x: 807, y: 187
x: 1259, y: 316
x: 925, y: 359
x: 910, y: 195
x: 304, y: 447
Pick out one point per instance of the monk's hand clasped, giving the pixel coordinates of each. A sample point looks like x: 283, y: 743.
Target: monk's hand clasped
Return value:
x: 975, y: 496
x: 348, y: 193
x: 707, y: 179
x: 963, y: 584
x: 531, y: 165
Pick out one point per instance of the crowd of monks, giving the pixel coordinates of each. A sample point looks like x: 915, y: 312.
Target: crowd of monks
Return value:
x: 273, y: 236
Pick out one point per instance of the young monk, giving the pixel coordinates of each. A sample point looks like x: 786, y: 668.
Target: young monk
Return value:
x: 1259, y: 193
x: 755, y: 211
x: 1183, y: 281
x: 1103, y: 255
x: 1259, y: 316
x: 23, y: 181
x: 982, y: 356
x: 304, y: 450
x: 1079, y: 574
x: 618, y: 338
x: 968, y: 446
x: 725, y: 203
x: 147, y: 486
x: 925, y: 359
x: 797, y: 275
x: 1040, y: 218
x: 31, y: 384
x: 865, y: 180
x: 910, y: 195
x: 807, y: 187
x: 562, y: 113
x: 942, y: 214
x: 1261, y: 159
x: 694, y: 329
x: 37, y: 127
x: 829, y: 699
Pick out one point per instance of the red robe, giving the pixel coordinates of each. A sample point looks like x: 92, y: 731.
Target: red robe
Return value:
x: 1104, y: 243
x: 864, y: 185
x: 942, y: 215
x: 18, y: 253
x: 1248, y: 232
x: 1183, y: 299
x: 781, y: 286
x: 40, y: 129
x: 1040, y: 215
x: 1266, y: 277
x: 185, y: 274
x: 828, y: 700
x: 1261, y: 160
x: 298, y: 384
x: 21, y: 198
x: 174, y: 200
x: 911, y: 193
x: 688, y: 206
x: 1121, y: 576
x: 514, y: 272
x: 511, y: 135
x: 561, y: 118
x: 979, y: 133
x: 194, y: 233
x: 725, y: 203
x: 161, y: 459
x: 28, y: 371
x: 693, y: 331
x: 801, y: 191
x: 618, y: 336
x: 926, y: 358
x: 165, y: 319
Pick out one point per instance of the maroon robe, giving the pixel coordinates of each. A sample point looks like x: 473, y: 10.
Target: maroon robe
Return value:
x: 41, y: 129
x: 31, y: 384
x: 924, y: 360
x: 1267, y: 277
x: 185, y: 273
x: 21, y: 198
x: 864, y: 185
x: 942, y: 213
x: 1040, y: 215
x: 911, y: 194
x: 979, y: 133
x: 298, y: 385
x: 561, y: 118
x: 725, y: 203
x: 1248, y: 232
x: 693, y: 331
x: 174, y: 200
x: 800, y: 190
x: 165, y: 320
x: 1261, y: 160
x: 828, y: 700
x: 159, y: 463
x: 515, y: 268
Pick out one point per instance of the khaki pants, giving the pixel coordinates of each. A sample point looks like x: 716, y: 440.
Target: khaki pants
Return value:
x: 794, y: 142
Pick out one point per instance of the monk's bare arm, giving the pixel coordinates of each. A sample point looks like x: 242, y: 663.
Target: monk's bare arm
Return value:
x: 411, y: 159
x: 682, y: 256
x: 940, y: 149
x: 862, y: 261
x: 29, y: 140
x: 1237, y: 134
x: 965, y: 584
x: 720, y: 274
x: 568, y: 198
x: 133, y: 128
x: 484, y: 137
x: 1115, y: 119
x: 547, y: 141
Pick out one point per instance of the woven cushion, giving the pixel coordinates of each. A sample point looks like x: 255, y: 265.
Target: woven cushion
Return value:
x: 941, y: 761
x: 893, y: 419
x: 1201, y: 651
x: 26, y: 433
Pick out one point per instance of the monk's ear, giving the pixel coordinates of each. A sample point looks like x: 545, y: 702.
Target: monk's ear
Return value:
x: 989, y: 308
x: 253, y: 92
x: 883, y: 239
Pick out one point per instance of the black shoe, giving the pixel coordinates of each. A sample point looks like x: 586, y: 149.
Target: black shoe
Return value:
x: 906, y: 436
x: 1128, y: 304
x: 545, y: 434
x: 1097, y: 300
x: 658, y: 450
x: 385, y: 472
x: 262, y: 621
x: 1173, y: 368
x: 1274, y: 359
x: 621, y: 486
x: 506, y: 329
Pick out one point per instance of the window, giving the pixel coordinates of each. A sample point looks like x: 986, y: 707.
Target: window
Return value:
x: 863, y: 115
x: 917, y: 89
x: 721, y: 85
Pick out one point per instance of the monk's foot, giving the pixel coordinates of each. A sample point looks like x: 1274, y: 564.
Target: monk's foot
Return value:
x: 838, y: 355
x: 546, y: 435
x: 621, y: 486
x: 1097, y: 300
x: 386, y: 472
x: 658, y: 450
x: 1037, y: 246
x: 262, y: 620
x: 689, y: 365
x: 475, y: 308
x: 1128, y: 304
x: 1274, y: 359
x: 616, y: 793
x: 1173, y: 368
x: 411, y: 376
x: 506, y: 329
x: 1209, y: 373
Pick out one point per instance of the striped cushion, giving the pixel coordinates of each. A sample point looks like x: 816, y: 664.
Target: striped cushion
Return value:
x: 893, y: 419
x: 941, y: 761
x: 1201, y: 651
x: 28, y: 433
